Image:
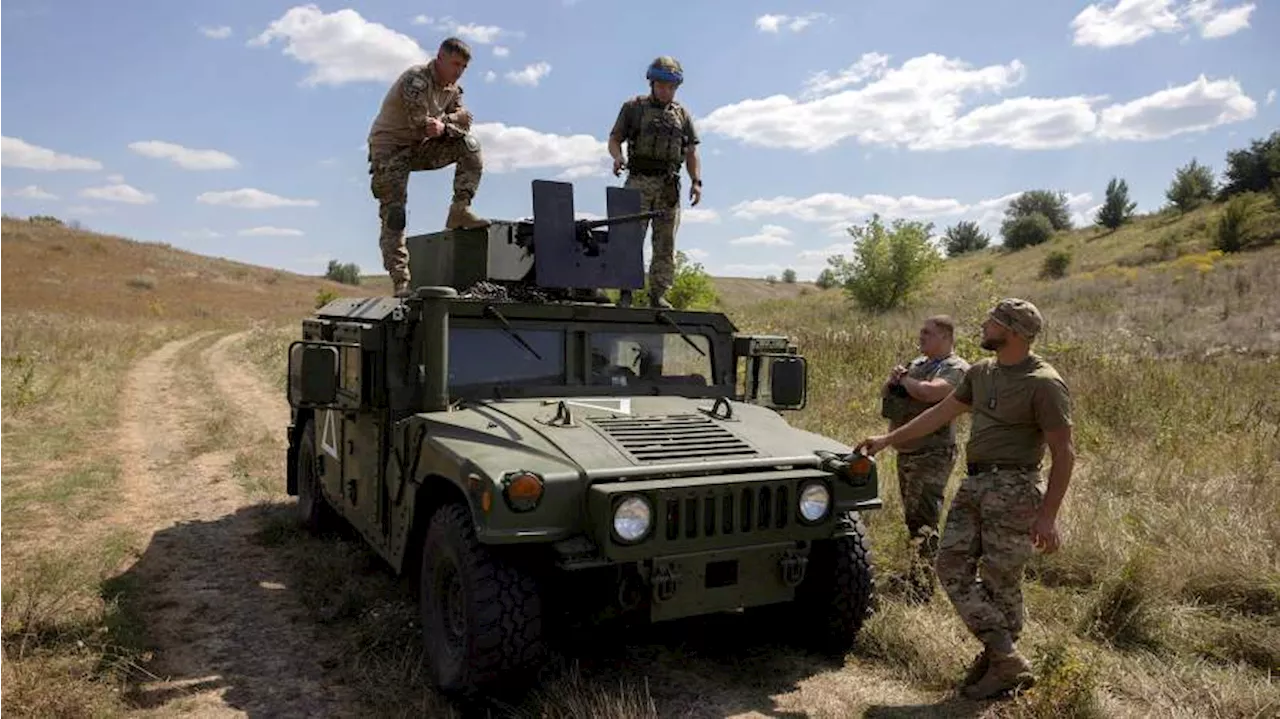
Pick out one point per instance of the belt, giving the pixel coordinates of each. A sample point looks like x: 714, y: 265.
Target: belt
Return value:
x: 976, y: 468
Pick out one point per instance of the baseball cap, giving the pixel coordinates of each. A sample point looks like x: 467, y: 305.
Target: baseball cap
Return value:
x: 1018, y: 315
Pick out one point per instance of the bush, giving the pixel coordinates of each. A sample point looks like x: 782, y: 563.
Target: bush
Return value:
x: 1026, y: 231
x: 889, y: 265
x: 1055, y: 264
x: 789, y: 276
x: 1117, y: 208
x: 692, y: 287
x: 826, y: 279
x: 1192, y: 186
x: 348, y: 274
x: 965, y: 237
x: 1051, y: 205
x: 1248, y: 219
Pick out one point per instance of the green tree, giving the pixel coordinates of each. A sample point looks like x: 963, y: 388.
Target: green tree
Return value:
x: 965, y: 237
x: 1052, y: 205
x: 348, y: 274
x: 1253, y: 169
x: 1193, y: 184
x: 1116, y: 208
x: 789, y: 276
x: 889, y: 264
x: 826, y: 279
x: 1026, y: 231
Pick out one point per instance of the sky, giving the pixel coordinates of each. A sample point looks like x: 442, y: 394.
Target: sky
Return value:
x: 237, y: 129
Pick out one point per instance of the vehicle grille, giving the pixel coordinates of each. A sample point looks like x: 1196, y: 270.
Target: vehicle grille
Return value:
x: 673, y: 437
x: 721, y: 511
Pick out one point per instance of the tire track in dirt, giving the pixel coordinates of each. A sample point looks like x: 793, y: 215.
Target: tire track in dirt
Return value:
x: 228, y: 637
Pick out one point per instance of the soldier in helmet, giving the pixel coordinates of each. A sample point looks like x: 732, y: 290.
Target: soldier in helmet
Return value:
x: 423, y: 125
x: 660, y: 138
x: 999, y: 515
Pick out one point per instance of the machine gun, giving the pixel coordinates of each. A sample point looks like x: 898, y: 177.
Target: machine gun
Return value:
x: 549, y: 251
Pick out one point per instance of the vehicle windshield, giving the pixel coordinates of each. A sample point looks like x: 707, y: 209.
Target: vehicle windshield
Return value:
x: 488, y: 355
x: 627, y: 358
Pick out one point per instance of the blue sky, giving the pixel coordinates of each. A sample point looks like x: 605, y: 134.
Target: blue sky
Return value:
x: 237, y: 129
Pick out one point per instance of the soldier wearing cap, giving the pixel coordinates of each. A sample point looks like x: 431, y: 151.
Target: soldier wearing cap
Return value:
x: 1000, y: 515
x: 660, y: 137
x: 925, y: 464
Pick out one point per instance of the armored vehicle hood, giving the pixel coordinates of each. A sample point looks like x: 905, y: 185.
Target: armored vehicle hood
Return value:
x: 607, y: 438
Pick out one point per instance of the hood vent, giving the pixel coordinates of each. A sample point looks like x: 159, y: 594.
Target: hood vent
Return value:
x: 677, y: 437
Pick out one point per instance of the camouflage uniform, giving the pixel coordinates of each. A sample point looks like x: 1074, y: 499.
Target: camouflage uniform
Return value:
x: 924, y: 465
x: 657, y: 138
x: 398, y: 146
x: 987, y: 539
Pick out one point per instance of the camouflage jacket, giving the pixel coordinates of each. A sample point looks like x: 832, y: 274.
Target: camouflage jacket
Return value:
x: 413, y: 98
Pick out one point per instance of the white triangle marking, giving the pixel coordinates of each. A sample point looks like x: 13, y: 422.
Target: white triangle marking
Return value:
x: 329, y: 438
x: 623, y: 405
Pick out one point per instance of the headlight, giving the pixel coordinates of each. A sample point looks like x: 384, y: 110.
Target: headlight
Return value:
x: 814, y: 501
x: 631, y: 518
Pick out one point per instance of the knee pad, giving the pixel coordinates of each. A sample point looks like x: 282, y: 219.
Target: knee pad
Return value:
x: 395, y: 217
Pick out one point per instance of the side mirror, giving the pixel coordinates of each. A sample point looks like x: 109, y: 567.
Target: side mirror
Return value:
x: 317, y: 381
x: 788, y: 382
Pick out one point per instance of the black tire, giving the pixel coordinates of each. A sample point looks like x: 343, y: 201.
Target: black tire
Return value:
x: 314, y: 512
x: 838, y: 592
x: 481, y: 616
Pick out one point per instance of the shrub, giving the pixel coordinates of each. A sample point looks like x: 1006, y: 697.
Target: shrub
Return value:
x: 1026, y: 231
x: 789, y: 276
x: 1192, y: 186
x: 691, y: 287
x: 1248, y: 219
x: 324, y: 297
x: 826, y: 279
x: 889, y: 265
x: 965, y: 237
x: 347, y: 274
x: 1055, y: 264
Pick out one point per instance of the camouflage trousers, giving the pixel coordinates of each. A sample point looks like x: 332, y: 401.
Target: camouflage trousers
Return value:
x: 922, y: 481
x: 390, y: 185
x: 659, y: 192
x: 985, y: 547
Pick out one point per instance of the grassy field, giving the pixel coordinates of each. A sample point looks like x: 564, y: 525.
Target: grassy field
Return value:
x: 1164, y: 599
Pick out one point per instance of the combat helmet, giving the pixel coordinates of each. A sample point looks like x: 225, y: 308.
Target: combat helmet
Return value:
x: 665, y: 69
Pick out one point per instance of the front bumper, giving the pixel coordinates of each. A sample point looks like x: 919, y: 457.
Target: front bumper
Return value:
x: 685, y: 585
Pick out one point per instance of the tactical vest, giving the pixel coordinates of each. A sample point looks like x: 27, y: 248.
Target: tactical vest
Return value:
x: 655, y: 144
x: 901, y: 407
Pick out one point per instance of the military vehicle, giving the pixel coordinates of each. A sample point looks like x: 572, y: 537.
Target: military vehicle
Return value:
x: 535, y: 458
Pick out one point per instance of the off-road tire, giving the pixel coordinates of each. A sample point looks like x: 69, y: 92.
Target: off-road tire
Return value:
x: 838, y: 592
x: 314, y: 511
x: 495, y: 631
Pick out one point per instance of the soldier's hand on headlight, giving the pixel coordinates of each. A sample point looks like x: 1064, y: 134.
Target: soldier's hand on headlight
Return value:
x: 871, y: 445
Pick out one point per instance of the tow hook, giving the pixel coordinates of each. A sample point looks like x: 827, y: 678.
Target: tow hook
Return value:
x: 665, y: 581
x: 792, y: 564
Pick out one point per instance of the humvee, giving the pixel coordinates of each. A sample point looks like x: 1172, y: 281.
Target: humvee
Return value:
x: 533, y: 454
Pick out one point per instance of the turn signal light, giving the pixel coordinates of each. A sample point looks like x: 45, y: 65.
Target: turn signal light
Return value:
x: 522, y: 490
x: 859, y: 465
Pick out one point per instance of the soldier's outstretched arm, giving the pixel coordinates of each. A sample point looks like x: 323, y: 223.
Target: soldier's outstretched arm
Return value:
x: 928, y: 421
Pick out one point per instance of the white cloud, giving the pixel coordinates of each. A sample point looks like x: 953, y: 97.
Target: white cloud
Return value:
x: 15, y: 152
x: 773, y: 235
x: 696, y: 215
x: 508, y: 149
x: 184, y: 157
x: 696, y: 254
x: 794, y: 23
x: 203, y: 233
x: 33, y: 192
x: 501, y: 51
x: 119, y: 192
x: 1130, y: 21
x: 1196, y: 106
x: 268, y: 231
x: 470, y: 32
x: 115, y: 178
x: 342, y: 46
x: 531, y: 75
x: 217, y: 33
x: 421, y: 20
x: 251, y: 199
x: 925, y: 105
x: 490, y: 76
x: 1271, y: 96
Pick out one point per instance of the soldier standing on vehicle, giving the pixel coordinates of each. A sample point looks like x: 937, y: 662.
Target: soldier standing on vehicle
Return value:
x: 423, y: 125
x: 925, y: 464
x: 1000, y: 515
x: 660, y: 136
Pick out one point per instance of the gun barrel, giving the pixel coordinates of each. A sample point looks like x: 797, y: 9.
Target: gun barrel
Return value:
x: 616, y: 219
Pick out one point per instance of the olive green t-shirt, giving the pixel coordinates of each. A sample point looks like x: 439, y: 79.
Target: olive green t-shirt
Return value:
x: 1013, y: 406
x: 950, y: 368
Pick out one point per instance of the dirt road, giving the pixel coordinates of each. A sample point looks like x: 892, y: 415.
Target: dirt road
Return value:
x: 229, y: 637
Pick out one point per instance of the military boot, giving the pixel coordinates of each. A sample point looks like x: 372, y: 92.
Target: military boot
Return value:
x: 462, y: 218
x: 656, y: 298
x: 402, y: 289
x: 977, y: 669
x: 1005, y: 672
x: 624, y: 298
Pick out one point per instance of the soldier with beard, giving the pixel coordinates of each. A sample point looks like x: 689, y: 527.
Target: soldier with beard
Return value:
x: 1000, y: 515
